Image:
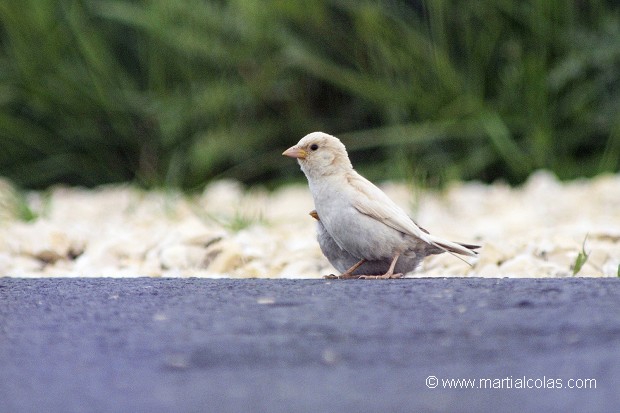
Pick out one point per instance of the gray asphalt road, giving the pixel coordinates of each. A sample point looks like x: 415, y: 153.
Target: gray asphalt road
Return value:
x: 197, y: 345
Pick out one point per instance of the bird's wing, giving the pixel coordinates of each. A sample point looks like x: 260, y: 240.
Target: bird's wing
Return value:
x: 373, y: 202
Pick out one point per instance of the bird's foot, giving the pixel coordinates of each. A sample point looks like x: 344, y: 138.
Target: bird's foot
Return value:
x: 343, y: 276
x: 381, y: 277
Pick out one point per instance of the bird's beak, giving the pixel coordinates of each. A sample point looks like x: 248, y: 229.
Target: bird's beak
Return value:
x: 295, y: 152
x: 314, y: 214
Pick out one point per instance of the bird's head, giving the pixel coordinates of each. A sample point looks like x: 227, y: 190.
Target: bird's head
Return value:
x: 320, y: 154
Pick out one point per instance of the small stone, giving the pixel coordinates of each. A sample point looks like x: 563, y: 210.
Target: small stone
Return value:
x: 329, y: 356
x: 48, y: 257
x: 177, y: 361
x: 160, y: 317
x: 182, y: 257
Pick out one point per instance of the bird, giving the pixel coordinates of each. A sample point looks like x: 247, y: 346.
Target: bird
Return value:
x: 343, y: 261
x: 360, y: 218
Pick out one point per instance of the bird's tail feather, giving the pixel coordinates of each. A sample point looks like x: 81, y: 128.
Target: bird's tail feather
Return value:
x: 471, y: 247
x: 454, y: 248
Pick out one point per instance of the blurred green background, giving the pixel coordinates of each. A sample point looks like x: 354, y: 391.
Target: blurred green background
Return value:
x: 177, y: 93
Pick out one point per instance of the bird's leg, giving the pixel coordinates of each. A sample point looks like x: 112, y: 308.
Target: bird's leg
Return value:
x: 388, y: 274
x: 348, y: 273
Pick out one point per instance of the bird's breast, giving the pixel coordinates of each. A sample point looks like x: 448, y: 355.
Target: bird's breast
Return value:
x: 358, y: 234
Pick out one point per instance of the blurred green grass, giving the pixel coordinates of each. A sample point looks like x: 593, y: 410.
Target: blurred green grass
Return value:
x: 178, y: 93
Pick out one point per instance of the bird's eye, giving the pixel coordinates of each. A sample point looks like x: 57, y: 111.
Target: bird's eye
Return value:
x: 314, y: 147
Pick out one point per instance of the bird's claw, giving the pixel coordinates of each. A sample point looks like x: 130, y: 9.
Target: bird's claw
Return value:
x: 381, y: 277
x: 344, y: 276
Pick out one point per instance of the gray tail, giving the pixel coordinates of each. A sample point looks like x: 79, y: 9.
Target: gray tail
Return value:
x: 471, y: 247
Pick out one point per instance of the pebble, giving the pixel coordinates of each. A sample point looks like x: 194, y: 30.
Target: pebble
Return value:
x: 535, y: 230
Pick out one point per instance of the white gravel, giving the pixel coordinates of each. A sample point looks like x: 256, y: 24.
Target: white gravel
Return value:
x: 536, y: 230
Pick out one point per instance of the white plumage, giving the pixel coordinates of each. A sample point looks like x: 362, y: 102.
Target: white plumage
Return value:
x: 360, y: 218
